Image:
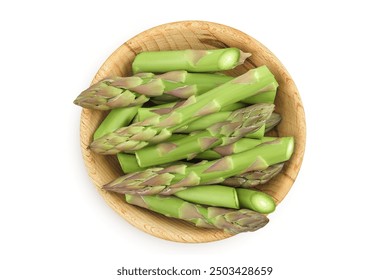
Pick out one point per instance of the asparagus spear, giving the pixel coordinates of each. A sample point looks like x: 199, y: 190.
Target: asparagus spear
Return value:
x: 129, y: 163
x: 254, y: 178
x: 265, y: 95
x: 239, y: 146
x: 255, y: 200
x: 257, y: 134
x: 190, y: 60
x: 272, y: 121
x: 117, y: 118
x: 237, y: 125
x: 146, y: 112
x: 230, y: 220
x: 201, y: 123
x: 166, y: 108
x: 204, y: 122
x: 117, y: 92
x: 174, y: 178
x: 212, y: 195
x: 159, y: 128
x: 203, y: 81
x: 228, y: 197
x: 208, y: 120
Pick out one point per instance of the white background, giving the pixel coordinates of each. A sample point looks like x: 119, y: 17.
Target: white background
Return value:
x: 334, y: 224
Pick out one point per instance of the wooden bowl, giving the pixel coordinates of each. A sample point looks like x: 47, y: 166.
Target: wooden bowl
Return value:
x: 192, y: 35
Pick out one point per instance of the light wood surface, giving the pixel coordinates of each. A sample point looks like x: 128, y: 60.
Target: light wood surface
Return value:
x: 193, y: 35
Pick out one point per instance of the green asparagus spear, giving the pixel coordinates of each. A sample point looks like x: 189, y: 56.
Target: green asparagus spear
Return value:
x: 237, y: 125
x: 205, y: 122
x: 159, y: 128
x: 254, y: 178
x: 118, y: 92
x: 272, y: 121
x: 209, y: 120
x: 109, y: 93
x: 147, y: 112
x: 174, y: 178
x: 239, y: 146
x: 129, y: 163
x: 190, y: 60
x: 212, y: 195
x: 266, y: 95
x: 255, y: 200
x: 228, y: 197
x: 258, y: 134
x: 203, y: 81
x: 117, y: 118
x: 230, y: 220
x: 250, y: 179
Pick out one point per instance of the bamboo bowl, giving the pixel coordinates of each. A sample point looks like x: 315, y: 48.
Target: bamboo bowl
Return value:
x: 192, y: 35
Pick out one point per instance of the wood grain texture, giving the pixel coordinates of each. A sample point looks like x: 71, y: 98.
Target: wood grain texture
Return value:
x: 193, y: 35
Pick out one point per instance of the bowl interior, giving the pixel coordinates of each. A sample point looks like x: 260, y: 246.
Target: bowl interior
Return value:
x: 193, y: 35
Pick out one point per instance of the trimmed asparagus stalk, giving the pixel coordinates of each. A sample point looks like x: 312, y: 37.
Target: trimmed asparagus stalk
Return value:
x: 159, y: 128
x: 232, y: 107
x: 265, y: 95
x: 228, y: 197
x: 230, y: 220
x: 117, y: 118
x: 237, y: 125
x: 255, y: 200
x: 239, y: 146
x: 205, y: 122
x: 129, y: 163
x: 189, y: 60
x: 209, y: 80
x: 272, y: 121
x: 147, y: 112
x: 203, y: 81
x: 254, y: 178
x: 175, y: 178
x: 213, y: 195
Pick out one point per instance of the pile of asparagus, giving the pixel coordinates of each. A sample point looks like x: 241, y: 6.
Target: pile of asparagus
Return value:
x: 190, y: 140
